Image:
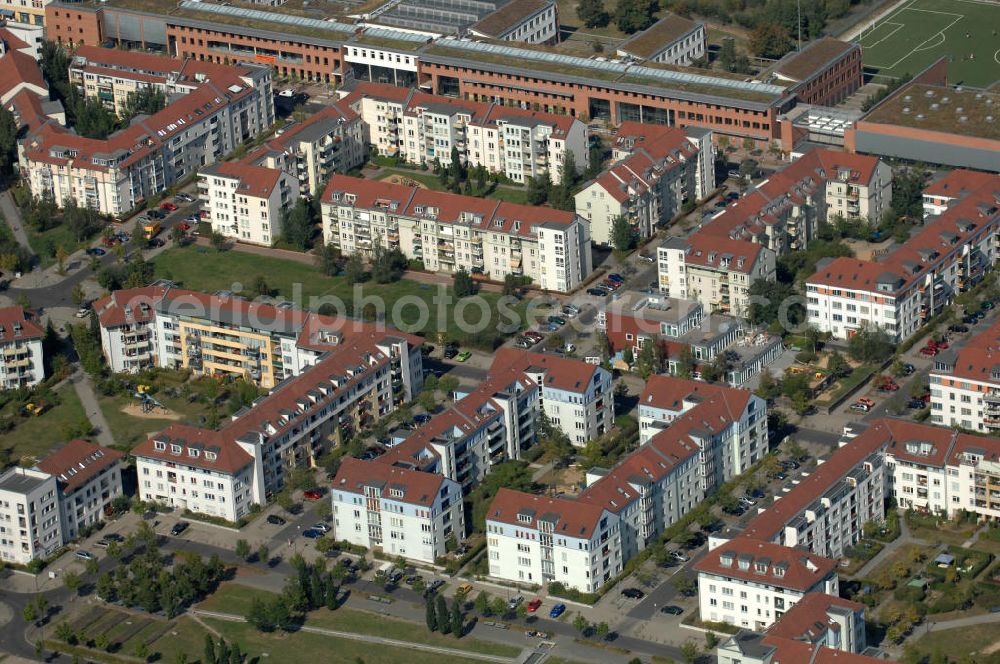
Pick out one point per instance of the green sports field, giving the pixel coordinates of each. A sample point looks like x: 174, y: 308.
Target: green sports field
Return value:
x: 921, y: 31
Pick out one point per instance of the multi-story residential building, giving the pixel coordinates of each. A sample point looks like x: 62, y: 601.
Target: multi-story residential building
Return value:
x: 220, y: 107
x: 665, y: 398
x: 751, y: 583
x: 328, y: 142
x: 819, y: 628
x: 23, y: 12
x: 827, y: 509
x: 673, y: 40
x: 424, y: 128
x: 661, y: 168
x: 784, y: 212
x: 575, y: 396
x: 246, y: 202
x: 953, y: 187
x: 715, y: 270
x: 127, y: 320
x: 448, y: 231
x: 912, y: 283
x: 526, y: 21
x: 358, y: 377
x: 537, y: 540
x: 88, y: 477
x: 397, y: 511
x: 30, y: 526
x: 21, y: 356
x: 634, y: 319
x: 965, y: 384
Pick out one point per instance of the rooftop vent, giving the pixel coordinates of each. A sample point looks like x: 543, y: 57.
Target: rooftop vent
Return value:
x: 929, y: 93
x: 920, y: 116
x: 989, y: 118
x: 907, y: 97
x: 959, y: 109
x: 964, y: 118
x: 906, y: 110
x: 935, y: 107
x: 945, y: 100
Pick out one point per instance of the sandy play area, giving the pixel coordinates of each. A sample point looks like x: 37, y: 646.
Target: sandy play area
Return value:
x: 135, y: 410
x: 405, y: 181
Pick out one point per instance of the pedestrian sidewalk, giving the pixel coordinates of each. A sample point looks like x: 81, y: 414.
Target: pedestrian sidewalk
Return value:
x: 88, y: 399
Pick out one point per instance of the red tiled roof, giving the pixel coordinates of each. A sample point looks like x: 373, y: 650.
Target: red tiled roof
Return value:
x: 573, y: 518
x: 791, y: 651
x: 561, y: 373
x: 803, y: 570
x: 933, y: 443
x: 29, y: 328
x: 708, y: 251
x: 12, y: 41
x: 959, y: 183
x: 17, y: 68
x: 254, y: 181
x: 668, y: 392
x: 136, y: 61
x: 419, y: 488
x: 768, y: 524
x: 230, y: 457
x: 807, y: 618
x: 77, y: 462
x: 113, y: 310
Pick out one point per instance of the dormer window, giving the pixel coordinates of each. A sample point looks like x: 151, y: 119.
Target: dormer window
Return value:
x: 159, y: 445
x: 210, y: 456
x: 175, y: 449
x: 524, y: 518
x: 192, y: 452
x: 396, y: 493
x: 760, y: 568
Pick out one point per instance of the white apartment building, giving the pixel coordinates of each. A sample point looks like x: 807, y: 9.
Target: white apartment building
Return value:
x: 328, y: 142
x: 30, y: 526
x: 538, y: 540
x: 714, y: 270
x: 965, y: 384
x: 658, y: 169
x: 448, y: 231
x: 825, y: 510
x: 423, y: 128
x: 245, y: 202
x: 667, y: 397
x: 953, y: 187
x: 223, y: 107
x: 575, y: 396
x: 525, y: 21
x: 397, y: 511
x: 21, y: 357
x: 752, y: 583
x: 88, y: 478
x: 673, y: 40
x: 198, y: 470
x: 949, y: 255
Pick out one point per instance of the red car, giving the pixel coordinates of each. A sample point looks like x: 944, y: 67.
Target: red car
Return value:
x: 533, y: 605
x: 168, y: 206
x: 313, y: 494
x: 929, y: 351
x: 866, y: 401
x: 184, y: 226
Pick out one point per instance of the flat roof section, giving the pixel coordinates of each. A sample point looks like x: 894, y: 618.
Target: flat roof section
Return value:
x: 961, y: 111
x: 651, y: 41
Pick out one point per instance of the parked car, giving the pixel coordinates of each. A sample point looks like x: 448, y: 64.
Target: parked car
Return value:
x: 114, y: 537
x: 102, y: 543
x: 450, y: 353
x: 82, y: 312
x: 192, y: 218
x: 85, y: 555
x: 672, y: 610
x: 929, y: 351
x: 958, y: 328
x: 908, y: 369
x: 633, y: 593
x: 866, y: 401
x: 780, y: 476
x: 95, y: 251
x: 859, y: 407
x: 916, y: 404
x: 184, y: 226
x: 168, y: 206
x: 313, y: 494
x: 321, y: 527
x: 616, y: 277
x: 597, y: 292
x: 533, y: 605
x: 311, y: 533
x: 557, y: 610
x: 179, y: 528
x: 464, y: 588
x: 557, y: 320
x: 421, y: 418
x: 645, y: 258
x: 524, y: 342
x: 463, y: 356
x: 514, y: 602
x: 433, y: 586
x: 411, y: 579
x: 155, y: 214
x: 680, y: 556
x: 186, y: 198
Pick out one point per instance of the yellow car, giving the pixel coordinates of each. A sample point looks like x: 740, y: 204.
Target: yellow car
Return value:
x: 465, y: 588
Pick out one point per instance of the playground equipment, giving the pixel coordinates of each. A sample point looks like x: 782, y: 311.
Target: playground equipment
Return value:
x: 146, y: 401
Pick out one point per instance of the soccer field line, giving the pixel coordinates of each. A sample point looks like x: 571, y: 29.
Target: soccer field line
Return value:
x: 921, y: 44
x: 899, y: 26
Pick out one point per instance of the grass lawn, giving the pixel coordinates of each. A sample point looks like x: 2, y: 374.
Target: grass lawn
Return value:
x: 55, y: 237
x: 235, y: 598
x: 128, y: 430
x: 420, y: 309
x: 33, y: 437
x: 426, y: 178
x: 921, y: 31
x: 973, y: 639
x: 935, y: 529
x: 844, y: 385
x: 511, y: 195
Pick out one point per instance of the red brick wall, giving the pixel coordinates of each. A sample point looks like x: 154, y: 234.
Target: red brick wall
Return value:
x: 839, y: 81
x: 73, y: 27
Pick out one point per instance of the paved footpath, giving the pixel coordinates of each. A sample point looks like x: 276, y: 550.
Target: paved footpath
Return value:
x: 88, y: 399
x: 904, y: 538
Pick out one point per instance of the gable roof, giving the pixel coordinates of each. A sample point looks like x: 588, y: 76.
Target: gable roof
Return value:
x: 571, y: 518
x: 17, y: 324
x: 77, y: 462
x: 418, y: 488
x: 784, y: 567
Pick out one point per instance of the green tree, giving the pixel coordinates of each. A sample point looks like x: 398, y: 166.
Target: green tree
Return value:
x: 387, y: 264
x: 690, y: 651
x: 145, y: 101
x: 464, y: 285
x: 592, y: 13
x: 482, y: 603
x: 457, y: 618
x: 870, y: 344
x: 650, y: 360
x: 72, y: 581
x: 210, y: 657
x: 623, y: 235
x: 261, y: 287
x: 8, y: 142
x: 602, y: 629
x: 242, y: 549
x: 769, y: 40
x: 539, y: 188
x: 580, y: 622
x: 299, y: 225
x: 727, y: 54
x: 767, y: 387
x: 29, y: 612
x: 78, y: 295
x: 328, y: 259
x: 263, y: 553
x: 430, y: 615
x: 354, y: 269
x: 441, y: 610
x: 685, y: 586
x: 631, y: 16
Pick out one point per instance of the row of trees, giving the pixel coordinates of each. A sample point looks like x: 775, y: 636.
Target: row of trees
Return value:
x: 560, y: 196
x: 385, y: 265
x: 630, y: 16
x: 440, y: 619
x: 310, y: 587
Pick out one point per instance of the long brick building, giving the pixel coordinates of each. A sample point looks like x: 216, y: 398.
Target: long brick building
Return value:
x: 529, y: 77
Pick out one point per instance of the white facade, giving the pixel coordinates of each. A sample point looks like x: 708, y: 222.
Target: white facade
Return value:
x: 536, y: 540
x: 672, y: 40
x: 402, y: 512
x: 89, y: 478
x: 21, y: 359
x: 247, y: 203
x: 30, y: 526
x: 850, y: 197
x: 528, y: 22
